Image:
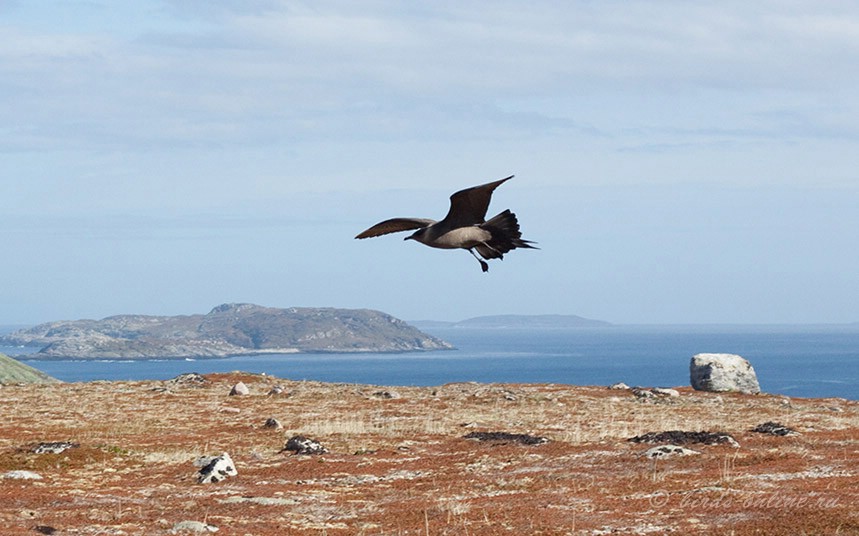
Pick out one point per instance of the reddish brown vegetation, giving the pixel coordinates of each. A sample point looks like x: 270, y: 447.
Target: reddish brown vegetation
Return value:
x: 401, y: 465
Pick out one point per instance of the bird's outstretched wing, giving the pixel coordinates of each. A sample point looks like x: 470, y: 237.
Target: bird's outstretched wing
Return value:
x: 469, y: 206
x: 395, y: 225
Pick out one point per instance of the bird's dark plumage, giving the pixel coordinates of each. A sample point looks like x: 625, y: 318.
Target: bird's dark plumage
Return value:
x: 464, y: 226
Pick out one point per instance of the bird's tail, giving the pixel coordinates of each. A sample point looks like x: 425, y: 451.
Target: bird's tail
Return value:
x: 504, y: 229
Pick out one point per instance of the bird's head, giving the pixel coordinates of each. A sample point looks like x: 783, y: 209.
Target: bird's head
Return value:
x: 418, y: 235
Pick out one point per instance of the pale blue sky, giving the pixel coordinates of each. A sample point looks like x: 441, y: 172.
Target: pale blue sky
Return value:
x: 676, y: 161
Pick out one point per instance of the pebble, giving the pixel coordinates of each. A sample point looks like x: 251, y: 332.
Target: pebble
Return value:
x: 666, y: 451
x: 272, y: 423
x: 193, y: 526
x: 21, y: 475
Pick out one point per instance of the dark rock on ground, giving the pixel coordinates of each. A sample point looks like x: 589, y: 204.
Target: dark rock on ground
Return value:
x: 774, y: 428
x: 506, y: 437
x: 300, y: 444
x: 389, y: 395
x: 679, y: 437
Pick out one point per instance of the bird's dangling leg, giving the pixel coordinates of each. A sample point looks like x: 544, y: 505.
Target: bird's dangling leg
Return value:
x: 483, y: 265
x: 487, y: 246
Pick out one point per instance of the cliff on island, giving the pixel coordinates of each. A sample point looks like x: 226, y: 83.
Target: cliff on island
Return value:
x: 227, y: 330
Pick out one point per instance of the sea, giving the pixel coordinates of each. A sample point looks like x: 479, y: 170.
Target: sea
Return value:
x: 797, y: 361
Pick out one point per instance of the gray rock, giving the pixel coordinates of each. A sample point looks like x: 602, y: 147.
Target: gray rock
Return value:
x: 389, y: 395
x: 272, y: 423
x: 774, y: 428
x: 54, y: 447
x: 189, y: 379
x: 723, y: 373
x: 668, y: 451
x: 216, y: 469
x: 240, y: 389
x: 304, y: 445
x: 662, y: 391
x: 682, y: 437
x: 276, y: 390
x: 21, y: 475
x: 643, y: 393
x: 264, y: 501
x: 506, y: 437
x: 619, y: 386
x: 193, y: 527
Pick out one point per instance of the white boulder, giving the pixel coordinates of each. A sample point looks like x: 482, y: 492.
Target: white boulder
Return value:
x: 723, y: 373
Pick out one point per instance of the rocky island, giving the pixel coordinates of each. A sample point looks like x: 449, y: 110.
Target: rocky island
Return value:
x: 530, y: 322
x: 227, y: 330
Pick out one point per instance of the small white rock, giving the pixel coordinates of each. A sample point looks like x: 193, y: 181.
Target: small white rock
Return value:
x: 667, y: 451
x: 240, y: 389
x: 193, y: 526
x: 21, y: 475
x: 216, y: 469
x: 272, y: 423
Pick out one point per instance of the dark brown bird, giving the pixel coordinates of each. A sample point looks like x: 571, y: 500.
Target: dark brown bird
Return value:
x: 464, y: 226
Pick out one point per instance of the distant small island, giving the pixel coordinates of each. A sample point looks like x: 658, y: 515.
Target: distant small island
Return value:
x: 517, y: 321
x: 227, y: 330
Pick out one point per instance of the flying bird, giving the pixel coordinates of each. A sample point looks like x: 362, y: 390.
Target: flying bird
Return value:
x: 464, y: 227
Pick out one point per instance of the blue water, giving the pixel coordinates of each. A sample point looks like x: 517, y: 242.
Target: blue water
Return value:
x: 795, y: 361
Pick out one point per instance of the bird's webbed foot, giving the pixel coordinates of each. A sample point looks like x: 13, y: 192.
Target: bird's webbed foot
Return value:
x: 483, y: 265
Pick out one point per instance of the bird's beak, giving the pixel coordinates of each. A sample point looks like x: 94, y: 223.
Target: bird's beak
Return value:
x: 410, y: 237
